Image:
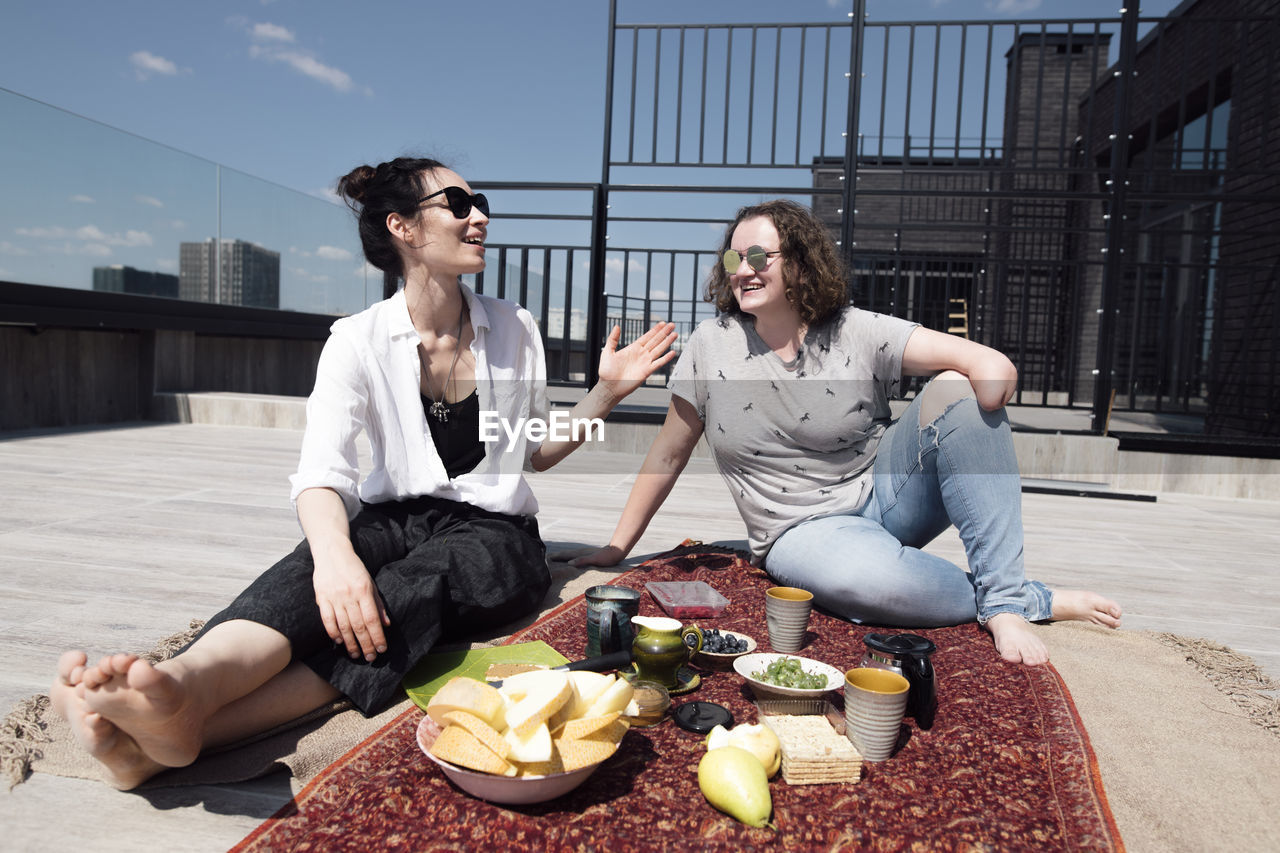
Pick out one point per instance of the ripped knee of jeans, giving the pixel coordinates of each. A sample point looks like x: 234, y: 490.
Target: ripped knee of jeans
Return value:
x: 943, y: 391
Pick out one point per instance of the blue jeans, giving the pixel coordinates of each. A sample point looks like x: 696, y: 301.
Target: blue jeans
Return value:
x: 867, y: 566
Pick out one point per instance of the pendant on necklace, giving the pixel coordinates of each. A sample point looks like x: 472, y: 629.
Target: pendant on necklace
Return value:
x: 438, y: 411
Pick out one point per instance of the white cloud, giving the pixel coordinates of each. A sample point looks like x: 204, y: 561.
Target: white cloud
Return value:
x: 1012, y: 7
x: 307, y: 275
x: 268, y: 46
x: 54, y: 233
x: 7, y: 248
x: 333, y: 253
x: 147, y: 199
x: 272, y: 32
x: 129, y: 238
x: 178, y: 225
x: 368, y: 271
x: 145, y: 63
x: 165, y: 264
x: 91, y: 234
x: 308, y: 66
x: 614, y: 265
x: 82, y: 199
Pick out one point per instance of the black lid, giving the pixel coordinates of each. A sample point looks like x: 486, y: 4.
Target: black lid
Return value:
x: 701, y: 717
x: 898, y: 644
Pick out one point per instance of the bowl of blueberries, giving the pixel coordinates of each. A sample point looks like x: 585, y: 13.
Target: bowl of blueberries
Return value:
x: 721, y: 648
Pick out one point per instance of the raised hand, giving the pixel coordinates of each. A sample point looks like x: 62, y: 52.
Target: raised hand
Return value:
x: 624, y: 370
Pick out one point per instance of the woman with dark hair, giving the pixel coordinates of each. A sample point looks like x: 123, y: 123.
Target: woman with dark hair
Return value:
x: 790, y: 385
x: 438, y: 541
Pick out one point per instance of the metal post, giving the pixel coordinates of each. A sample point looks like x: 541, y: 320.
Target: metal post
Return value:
x: 849, y: 197
x: 1118, y: 184
x: 600, y: 222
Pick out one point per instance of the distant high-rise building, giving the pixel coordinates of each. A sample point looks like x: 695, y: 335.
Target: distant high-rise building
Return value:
x: 250, y: 273
x: 121, y: 279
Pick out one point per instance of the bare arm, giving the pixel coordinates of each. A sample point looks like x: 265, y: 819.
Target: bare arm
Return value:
x: 990, y: 372
x: 621, y: 372
x: 667, y: 457
x: 350, y: 606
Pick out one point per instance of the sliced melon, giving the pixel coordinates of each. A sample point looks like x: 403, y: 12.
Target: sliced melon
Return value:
x: 544, y: 693
x: 613, y: 699
x: 471, y: 696
x: 533, y: 748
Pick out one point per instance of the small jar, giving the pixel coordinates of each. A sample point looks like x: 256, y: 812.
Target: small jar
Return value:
x: 652, y: 701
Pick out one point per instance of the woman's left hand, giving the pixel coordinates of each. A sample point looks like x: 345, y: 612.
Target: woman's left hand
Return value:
x: 624, y: 370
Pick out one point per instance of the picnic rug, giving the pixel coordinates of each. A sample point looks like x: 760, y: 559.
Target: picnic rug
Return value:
x: 1006, y: 765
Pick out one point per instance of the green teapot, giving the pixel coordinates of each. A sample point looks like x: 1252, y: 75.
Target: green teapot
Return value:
x: 662, y: 645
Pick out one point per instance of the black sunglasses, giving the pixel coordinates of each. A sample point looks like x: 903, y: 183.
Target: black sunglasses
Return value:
x: 757, y: 258
x: 460, y: 203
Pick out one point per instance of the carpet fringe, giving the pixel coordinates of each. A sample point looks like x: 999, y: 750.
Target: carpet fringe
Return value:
x: 24, y: 728
x: 21, y: 733
x: 1233, y: 673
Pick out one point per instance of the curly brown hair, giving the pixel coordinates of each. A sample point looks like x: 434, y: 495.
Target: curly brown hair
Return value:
x: 817, y: 284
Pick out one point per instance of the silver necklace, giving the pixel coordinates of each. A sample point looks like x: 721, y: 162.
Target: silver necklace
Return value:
x: 438, y: 409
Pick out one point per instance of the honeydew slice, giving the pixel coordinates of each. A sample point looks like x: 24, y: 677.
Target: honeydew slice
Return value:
x: 544, y: 693
x: 587, y: 688
x: 613, y: 699
x: 533, y: 748
x: 469, y: 695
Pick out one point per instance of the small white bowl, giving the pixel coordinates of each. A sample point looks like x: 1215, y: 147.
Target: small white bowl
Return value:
x: 723, y: 660
x: 747, y: 665
x: 509, y: 790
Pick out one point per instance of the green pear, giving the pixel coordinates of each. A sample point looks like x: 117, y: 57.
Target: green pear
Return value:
x: 734, y: 781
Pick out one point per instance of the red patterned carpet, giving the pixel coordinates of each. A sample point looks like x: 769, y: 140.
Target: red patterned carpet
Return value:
x: 1006, y: 766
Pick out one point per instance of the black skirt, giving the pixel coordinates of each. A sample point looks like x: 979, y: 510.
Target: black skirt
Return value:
x: 445, y: 570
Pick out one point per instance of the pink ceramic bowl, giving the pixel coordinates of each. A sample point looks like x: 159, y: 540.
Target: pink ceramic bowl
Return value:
x: 509, y: 790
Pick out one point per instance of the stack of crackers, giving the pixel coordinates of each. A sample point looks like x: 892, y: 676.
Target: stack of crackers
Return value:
x: 813, y: 753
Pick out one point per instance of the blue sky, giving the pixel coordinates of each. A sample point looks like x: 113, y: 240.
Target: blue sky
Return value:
x: 296, y: 93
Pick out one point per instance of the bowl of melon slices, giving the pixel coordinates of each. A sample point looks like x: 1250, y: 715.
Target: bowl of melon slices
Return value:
x: 537, y: 737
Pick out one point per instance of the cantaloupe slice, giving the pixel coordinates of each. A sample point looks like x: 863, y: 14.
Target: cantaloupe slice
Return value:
x: 485, y: 733
x: 586, y: 726
x: 458, y: 746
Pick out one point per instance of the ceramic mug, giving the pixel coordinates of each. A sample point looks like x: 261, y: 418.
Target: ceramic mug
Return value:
x: 609, y: 612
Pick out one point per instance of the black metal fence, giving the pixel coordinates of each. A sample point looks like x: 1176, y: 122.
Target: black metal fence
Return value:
x: 1099, y: 199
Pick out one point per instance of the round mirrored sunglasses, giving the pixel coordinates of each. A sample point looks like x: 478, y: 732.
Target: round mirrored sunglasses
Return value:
x: 756, y: 257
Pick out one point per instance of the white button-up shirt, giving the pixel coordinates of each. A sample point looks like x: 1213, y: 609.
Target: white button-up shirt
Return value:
x: 369, y: 379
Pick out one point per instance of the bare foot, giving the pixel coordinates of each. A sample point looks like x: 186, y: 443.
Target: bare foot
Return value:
x: 1015, y: 641
x: 149, y: 705
x: 123, y: 762
x: 1085, y: 606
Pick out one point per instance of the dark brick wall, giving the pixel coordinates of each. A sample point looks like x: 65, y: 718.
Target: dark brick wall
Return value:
x: 1217, y: 49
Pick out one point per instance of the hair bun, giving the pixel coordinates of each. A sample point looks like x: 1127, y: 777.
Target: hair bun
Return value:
x: 354, y: 184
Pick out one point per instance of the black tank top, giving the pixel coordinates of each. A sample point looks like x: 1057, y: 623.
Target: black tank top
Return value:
x: 457, y: 440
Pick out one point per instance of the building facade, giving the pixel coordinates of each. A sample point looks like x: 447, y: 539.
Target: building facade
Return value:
x: 248, y: 275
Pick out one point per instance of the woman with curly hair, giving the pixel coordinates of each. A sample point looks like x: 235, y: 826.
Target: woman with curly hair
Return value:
x: 790, y: 384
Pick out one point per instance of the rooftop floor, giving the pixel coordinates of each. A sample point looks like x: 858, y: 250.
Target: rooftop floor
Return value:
x: 113, y: 538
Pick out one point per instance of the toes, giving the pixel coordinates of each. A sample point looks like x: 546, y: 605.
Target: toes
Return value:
x: 71, y: 667
x: 120, y: 663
